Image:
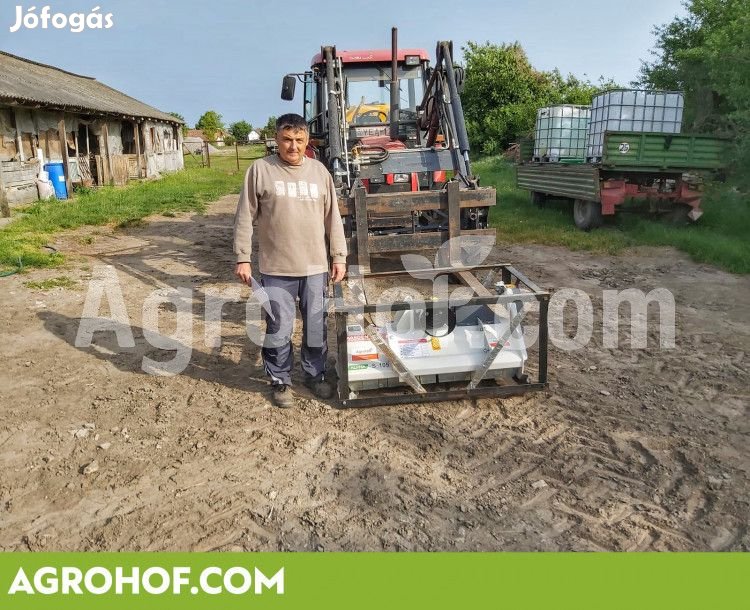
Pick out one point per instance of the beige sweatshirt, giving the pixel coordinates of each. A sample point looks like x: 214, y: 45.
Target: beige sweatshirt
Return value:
x: 296, y: 209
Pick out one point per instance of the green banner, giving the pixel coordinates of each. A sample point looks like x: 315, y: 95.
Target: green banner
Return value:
x: 372, y: 580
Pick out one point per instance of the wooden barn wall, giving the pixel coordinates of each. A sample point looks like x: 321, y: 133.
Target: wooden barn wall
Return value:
x: 109, y: 158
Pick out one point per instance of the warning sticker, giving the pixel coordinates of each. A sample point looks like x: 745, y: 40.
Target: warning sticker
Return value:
x: 360, y: 357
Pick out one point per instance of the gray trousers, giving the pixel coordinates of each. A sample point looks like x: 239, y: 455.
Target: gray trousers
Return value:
x: 278, y: 356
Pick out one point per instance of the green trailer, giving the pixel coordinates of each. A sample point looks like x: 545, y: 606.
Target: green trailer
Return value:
x: 664, y: 171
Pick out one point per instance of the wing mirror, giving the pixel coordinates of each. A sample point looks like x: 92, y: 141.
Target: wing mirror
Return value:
x: 288, y: 86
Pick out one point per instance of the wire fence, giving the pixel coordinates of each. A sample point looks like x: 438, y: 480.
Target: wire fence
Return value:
x: 217, y: 155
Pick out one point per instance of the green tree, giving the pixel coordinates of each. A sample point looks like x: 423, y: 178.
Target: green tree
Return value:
x: 706, y: 54
x: 184, y: 127
x: 503, y: 91
x: 269, y: 131
x: 240, y: 131
x: 210, y: 123
x: 573, y: 90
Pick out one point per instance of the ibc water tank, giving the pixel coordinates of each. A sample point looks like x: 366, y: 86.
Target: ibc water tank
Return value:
x: 561, y: 132
x: 632, y: 110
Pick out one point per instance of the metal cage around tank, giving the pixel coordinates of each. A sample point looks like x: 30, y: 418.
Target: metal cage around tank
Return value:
x: 634, y: 111
x: 561, y: 133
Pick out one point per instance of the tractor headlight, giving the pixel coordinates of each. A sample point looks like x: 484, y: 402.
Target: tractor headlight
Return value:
x: 401, y: 177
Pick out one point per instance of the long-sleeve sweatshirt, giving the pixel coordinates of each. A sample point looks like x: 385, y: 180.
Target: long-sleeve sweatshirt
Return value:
x: 296, y: 209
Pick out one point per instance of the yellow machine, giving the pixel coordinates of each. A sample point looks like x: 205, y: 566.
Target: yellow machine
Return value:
x: 367, y: 114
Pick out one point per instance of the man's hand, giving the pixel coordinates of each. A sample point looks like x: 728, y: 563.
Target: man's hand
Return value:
x: 338, y: 271
x: 243, y: 271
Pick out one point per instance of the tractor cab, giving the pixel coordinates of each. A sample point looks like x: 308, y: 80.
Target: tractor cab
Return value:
x: 365, y: 79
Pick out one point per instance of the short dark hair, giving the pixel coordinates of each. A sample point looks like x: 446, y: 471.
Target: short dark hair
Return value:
x: 291, y: 121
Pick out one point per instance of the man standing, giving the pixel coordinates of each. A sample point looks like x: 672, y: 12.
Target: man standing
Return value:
x: 293, y: 199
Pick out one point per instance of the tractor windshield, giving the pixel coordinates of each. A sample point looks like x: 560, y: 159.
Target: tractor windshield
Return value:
x: 368, y: 92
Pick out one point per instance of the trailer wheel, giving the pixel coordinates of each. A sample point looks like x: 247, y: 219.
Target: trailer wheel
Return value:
x: 538, y: 199
x: 678, y: 215
x: 587, y: 214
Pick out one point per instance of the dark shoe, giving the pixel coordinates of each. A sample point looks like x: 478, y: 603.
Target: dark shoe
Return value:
x: 283, y: 396
x: 320, y: 386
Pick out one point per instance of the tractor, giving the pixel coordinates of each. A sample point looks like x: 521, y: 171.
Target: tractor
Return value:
x: 391, y: 130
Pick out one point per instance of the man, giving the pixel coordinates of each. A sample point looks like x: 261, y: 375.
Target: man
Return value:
x: 293, y: 199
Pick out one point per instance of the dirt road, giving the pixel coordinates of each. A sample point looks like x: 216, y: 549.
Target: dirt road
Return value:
x: 629, y: 450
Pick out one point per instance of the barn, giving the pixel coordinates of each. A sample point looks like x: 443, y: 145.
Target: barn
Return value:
x: 100, y: 135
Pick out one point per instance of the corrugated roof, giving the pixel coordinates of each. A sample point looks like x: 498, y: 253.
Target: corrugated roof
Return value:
x: 29, y: 82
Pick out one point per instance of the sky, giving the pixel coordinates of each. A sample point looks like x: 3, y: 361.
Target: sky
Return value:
x: 189, y: 56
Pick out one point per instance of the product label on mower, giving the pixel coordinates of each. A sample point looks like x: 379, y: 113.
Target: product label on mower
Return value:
x: 414, y: 348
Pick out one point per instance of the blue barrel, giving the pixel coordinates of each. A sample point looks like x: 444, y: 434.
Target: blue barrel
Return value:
x: 57, y: 177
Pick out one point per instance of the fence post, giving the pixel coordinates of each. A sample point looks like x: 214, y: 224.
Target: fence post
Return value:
x: 237, y: 154
x: 208, y: 157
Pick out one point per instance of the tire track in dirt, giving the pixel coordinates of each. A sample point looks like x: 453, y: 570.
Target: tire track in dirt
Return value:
x: 202, y: 461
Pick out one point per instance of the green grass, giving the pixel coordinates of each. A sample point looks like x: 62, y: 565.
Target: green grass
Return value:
x: 22, y: 243
x: 719, y: 237
x: 55, y: 282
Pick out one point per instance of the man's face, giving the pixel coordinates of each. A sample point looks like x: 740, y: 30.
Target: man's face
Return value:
x: 292, y: 144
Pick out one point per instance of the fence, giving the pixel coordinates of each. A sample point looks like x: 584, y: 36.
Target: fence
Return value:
x: 215, y: 154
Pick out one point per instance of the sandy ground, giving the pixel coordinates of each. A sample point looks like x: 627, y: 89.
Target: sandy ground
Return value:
x: 629, y: 450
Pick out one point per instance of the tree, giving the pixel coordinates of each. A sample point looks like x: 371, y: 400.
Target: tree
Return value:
x: 503, y: 91
x: 269, y: 131
x: 210, y: 123
x: 240, y: 131
x: 184, y: 127
x: 706, y: 54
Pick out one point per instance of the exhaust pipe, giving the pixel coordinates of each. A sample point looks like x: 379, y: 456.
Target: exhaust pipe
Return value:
x: 395, y: 97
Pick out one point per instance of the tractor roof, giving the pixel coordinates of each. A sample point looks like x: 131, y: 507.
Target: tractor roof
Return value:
x: 371, y: 56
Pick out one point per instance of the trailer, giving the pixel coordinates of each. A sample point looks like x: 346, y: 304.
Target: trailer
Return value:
x: 664, y: 171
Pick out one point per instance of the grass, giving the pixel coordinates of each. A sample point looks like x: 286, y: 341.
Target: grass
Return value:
x: 22, y: 243
x: 55, y: 282
x: 719, y: 237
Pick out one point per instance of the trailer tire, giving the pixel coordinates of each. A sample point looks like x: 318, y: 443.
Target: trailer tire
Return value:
x: 587, y: 214
x: 678, y: 215
x: 538, y: 199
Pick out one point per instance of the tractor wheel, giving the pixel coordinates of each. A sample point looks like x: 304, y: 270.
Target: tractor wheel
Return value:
x: 587, y: 214
x: 538, y: 199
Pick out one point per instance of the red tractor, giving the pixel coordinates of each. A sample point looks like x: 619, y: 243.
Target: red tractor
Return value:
x: 391, y: 130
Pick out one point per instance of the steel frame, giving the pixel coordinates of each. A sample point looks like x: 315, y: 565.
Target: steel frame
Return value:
x: 383, y: 397
x: 365, y: 210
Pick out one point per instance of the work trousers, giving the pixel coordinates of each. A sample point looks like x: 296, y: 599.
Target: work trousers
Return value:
x: 278, y: 355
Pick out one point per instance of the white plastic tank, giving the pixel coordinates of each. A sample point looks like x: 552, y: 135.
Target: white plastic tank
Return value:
x: 632, y: 110
x: 561, y: 132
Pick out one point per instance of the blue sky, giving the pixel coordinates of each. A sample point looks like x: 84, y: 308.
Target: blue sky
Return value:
x: 189, y: 56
